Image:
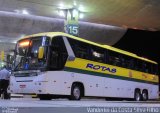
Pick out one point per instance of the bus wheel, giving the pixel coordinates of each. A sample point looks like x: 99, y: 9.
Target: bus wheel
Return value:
x: 44, y: 97
x: 2, y: 96
x: 144, y: 95
x: 137, y: 95
x: 75, y: 92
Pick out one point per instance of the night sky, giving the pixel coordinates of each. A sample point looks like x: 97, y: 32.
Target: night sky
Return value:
x: 142, y: 43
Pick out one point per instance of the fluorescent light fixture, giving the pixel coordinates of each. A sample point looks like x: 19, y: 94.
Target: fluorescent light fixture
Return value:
x: 81, y: 8
x: 81, y: 16
x: 74, y: 3
x: 25, y: 12
x: 17, y: 11
x: 61, y: 6
x: 75, y: 12
x: 14, y: 42
x: 61, y: 13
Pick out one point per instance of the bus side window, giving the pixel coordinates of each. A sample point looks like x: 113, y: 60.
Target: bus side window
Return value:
x: 145, y: 67
x: 128, y: 62
x: 148, y: 67
x: 97, y: 54
x: 139, y: 65
x: 131, y: 63
x: 154, y: 69
x: 114, y: 58
x: 80, y: 49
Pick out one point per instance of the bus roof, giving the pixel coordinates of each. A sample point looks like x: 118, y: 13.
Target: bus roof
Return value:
x: 52, y: 34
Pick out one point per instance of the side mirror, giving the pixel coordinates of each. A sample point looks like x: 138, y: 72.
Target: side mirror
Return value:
x: 40, y: 52
x: 2, y: 55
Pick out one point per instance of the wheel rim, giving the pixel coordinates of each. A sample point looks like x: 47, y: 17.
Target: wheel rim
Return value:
x: 138, y: 96
x: 144, y: 96
x: 76, y: 93
x: 2, y: 95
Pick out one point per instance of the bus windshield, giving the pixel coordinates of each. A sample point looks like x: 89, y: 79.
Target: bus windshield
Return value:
x: 27, y: 53
x: 22, y: 47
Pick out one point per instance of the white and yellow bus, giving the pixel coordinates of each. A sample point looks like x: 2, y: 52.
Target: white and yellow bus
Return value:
x: 57, y: 64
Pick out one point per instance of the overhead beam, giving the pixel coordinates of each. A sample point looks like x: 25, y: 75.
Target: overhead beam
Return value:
x: 14, y: 25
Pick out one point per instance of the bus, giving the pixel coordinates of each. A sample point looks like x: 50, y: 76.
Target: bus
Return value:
x: 56, y: 64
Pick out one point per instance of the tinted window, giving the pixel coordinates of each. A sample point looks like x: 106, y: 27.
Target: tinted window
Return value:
x: 35, y: 44
x: 98, y: 54
x: 58, y: 54
x: 154, y: 69
x: 128, y: 62
x: 81, y: 49
x: 22, y: 47
x: 114, y: 58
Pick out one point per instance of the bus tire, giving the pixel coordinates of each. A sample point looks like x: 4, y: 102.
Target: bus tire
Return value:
x: 144, y: 95
x: 2, y: 95
x: 75, y: 92
x: 44, y: 97
x: 137, y: 95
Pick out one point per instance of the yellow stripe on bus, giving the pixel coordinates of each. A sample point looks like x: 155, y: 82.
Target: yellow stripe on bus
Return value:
x: 79, y: 63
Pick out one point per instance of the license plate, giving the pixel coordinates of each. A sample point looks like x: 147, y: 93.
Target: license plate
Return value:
x: 22, y: 86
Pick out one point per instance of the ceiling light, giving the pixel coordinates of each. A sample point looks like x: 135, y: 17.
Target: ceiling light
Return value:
x: 17, y: 11
x: 61, y: 13
x: 81, y: 16
x: 61, y: 6
x: 74, y: 3
x: 81, y: 8
x: 14, y: 42
x: 75, y: 12
x: 25, y: 12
